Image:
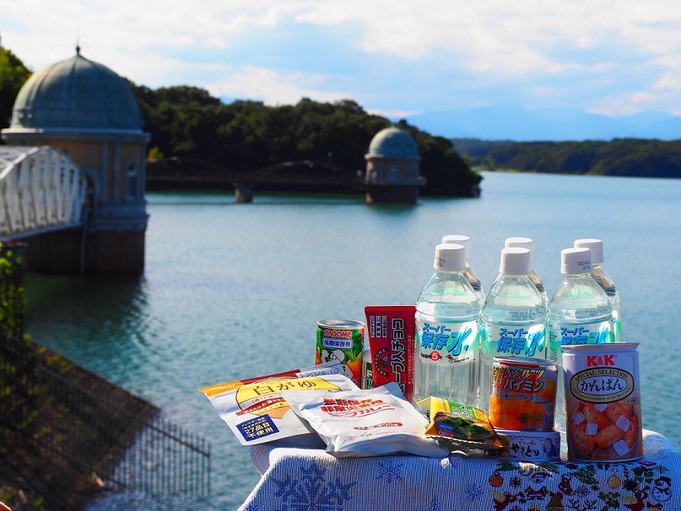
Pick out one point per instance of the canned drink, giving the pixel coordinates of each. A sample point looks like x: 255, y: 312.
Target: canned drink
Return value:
x: 523, y: 394
x: 342, y: 340
x: 603, y: 402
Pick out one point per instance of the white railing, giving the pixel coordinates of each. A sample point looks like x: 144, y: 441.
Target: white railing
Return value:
x: 41, y: 189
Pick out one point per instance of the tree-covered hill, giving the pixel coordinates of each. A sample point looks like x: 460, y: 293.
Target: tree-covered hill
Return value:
x: 244, y: 136
x: 618, y: 157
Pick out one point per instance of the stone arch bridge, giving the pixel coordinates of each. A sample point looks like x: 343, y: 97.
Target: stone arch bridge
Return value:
x: 300, y: 175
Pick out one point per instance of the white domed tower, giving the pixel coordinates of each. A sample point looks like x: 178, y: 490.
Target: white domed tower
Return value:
x: 392, y: 171
x: 89, y: 112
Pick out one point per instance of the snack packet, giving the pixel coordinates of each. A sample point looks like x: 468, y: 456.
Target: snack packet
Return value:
x: 460, y: 425
x: 366, y: 422
x: 256, y: 412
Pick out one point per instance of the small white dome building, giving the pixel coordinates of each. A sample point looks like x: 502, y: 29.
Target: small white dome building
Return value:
x: 392, y: 170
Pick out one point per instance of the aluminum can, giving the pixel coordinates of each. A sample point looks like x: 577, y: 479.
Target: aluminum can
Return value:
x: 523, y: 394
x: 342, y: 340
x: 603, y: 402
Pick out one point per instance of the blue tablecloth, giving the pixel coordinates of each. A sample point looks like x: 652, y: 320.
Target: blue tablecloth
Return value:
x: 308, y: 479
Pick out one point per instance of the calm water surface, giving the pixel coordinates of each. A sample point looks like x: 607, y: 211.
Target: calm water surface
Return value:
x: 235, y: 290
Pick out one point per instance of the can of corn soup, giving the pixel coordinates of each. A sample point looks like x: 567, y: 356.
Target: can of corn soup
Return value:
x: 342, y: 340
x: 603, y: 401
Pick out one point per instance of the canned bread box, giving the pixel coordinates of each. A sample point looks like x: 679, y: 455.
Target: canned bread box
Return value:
x: 603, y: 402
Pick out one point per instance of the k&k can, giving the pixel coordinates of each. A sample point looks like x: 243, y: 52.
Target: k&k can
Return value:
x: 342, y: 340
x: 523, y: 394
x: 603, y: 401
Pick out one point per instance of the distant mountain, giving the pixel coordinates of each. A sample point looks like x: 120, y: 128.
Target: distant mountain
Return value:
x: 517, y: 124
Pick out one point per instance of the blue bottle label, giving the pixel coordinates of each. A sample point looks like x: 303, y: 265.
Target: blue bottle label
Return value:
x: 593, y: 333
x: 515, y: 341
x: 451, y: 342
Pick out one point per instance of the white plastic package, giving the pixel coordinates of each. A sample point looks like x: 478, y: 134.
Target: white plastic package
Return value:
x: 255, y: 411
x: 368, y: 422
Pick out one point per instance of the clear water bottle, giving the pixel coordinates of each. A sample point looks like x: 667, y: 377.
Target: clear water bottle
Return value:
x: 600, y: 276
x: 513, y: 318
x: 528, y: 243
x: 579, y: 313
x: 447, y: 328
x: 468, y: 272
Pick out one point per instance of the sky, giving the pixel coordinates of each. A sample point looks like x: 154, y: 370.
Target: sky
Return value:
x: 394, y: 57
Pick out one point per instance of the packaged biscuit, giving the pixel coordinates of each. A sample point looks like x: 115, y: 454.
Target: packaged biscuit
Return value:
x: 255, y: 410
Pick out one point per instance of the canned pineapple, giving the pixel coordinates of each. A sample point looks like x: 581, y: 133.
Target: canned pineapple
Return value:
x: 523, y: 394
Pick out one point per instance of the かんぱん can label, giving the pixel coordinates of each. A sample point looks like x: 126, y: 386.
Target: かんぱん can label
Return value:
x: 523, y: 394
x: 343, y: 340
x: 603, y: 402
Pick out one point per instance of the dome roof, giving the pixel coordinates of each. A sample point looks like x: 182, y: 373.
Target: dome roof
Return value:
x: 393, y: 143
x: 76, y: 93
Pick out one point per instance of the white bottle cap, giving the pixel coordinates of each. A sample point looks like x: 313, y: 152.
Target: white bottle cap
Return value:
x: 460, y: 239
x: 596, y: 247
x: 575, y: 261
x: 450, y: 257
x: 519, y: 241
x: 515, y: 261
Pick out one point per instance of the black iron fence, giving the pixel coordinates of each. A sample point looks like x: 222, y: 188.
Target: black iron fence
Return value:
x: 67, y: 436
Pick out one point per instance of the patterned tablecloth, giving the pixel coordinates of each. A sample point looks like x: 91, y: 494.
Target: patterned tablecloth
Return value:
x: 308, y: 479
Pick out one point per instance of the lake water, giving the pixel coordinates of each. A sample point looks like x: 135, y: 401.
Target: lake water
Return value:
x: 236, y: 290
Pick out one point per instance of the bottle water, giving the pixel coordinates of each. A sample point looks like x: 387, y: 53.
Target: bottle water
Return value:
x: 513, y: 318
x: 579, y: 313
x: 604, y: 280
x: 468, y: 272
x: 528, y: 243
x: 446, y: 340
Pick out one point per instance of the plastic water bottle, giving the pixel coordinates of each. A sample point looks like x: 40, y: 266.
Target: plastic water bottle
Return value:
x: 447, y: 327
x: 528, y: 243
x: 604, y: 280
x: 513, y: 318
x: 468, y: 272
x: 579, y: 313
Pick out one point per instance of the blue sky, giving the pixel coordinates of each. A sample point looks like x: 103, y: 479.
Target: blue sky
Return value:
x: 395, y: 58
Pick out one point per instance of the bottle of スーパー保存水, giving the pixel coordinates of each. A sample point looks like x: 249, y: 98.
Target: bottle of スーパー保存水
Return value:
x: 468, y: 271
x: 579, y: 313
x: 447, y: 326
x: 513, y: 318
x: 600, y: 276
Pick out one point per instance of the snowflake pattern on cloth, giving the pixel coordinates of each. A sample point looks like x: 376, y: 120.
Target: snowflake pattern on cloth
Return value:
x: 311, y: 480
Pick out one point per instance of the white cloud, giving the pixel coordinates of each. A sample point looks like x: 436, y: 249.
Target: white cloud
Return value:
x: 439, y: 53
x: 275, y: 88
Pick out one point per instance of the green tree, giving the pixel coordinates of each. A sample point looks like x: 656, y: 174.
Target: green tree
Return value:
x: 13, y: 74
